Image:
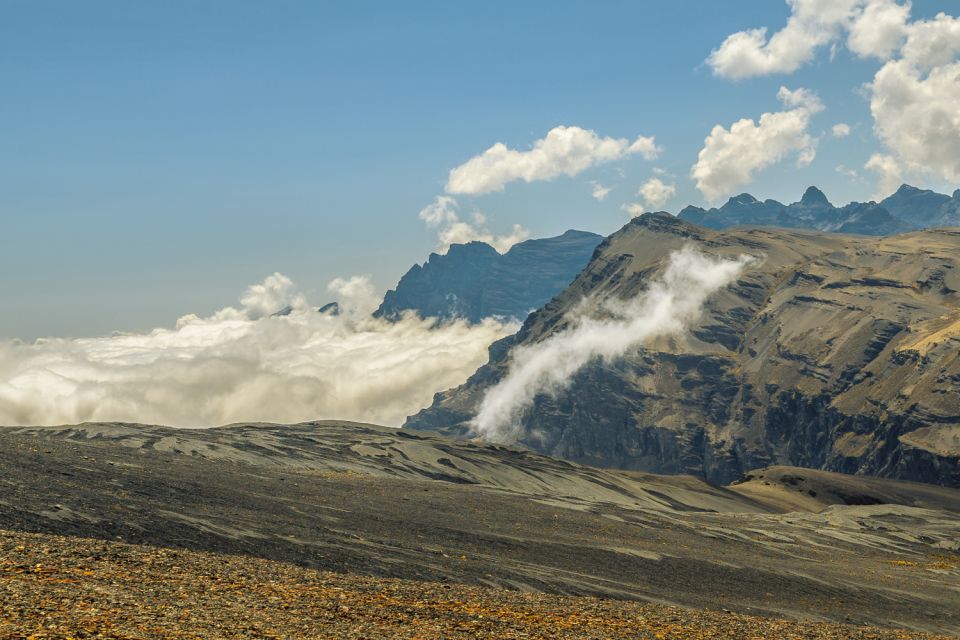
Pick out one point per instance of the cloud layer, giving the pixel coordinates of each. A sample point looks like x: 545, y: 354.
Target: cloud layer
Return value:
x: 730, y: 157
x: 669, y: 305
x: 244, y: 364
x: 563, y: 151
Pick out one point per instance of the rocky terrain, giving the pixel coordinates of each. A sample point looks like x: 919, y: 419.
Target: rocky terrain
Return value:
x: 473, y: 281
x: 834, y: 352
x: 908, y: 209
x: 55, y: 588
x: 783, y: 544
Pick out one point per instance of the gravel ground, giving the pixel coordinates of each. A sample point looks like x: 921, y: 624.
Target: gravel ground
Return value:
x: 54, y: 587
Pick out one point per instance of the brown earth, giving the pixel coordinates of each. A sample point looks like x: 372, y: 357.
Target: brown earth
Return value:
x: 61, y: 588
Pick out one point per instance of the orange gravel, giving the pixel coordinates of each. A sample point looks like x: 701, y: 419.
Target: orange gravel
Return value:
x: 62, y: 588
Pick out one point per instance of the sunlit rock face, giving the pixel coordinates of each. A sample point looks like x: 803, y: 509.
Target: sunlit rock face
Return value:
x: 830, y: 351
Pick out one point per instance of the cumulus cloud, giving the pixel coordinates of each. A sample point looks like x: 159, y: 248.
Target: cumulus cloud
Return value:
x: 840, y: 130
x: 812, y: 24
x: 914, y: 103
x: 889, y: 174
x: 730, y: 157
x: 563, y: 151
x: 443, y: 215
x: 656, y: 192
x: 246, y: 364
x: 873, y: 27
x: 633, y: 208
x: 668, y: 306
x: 913, y: 97
x: 599, y: 192
x: 879, y: 28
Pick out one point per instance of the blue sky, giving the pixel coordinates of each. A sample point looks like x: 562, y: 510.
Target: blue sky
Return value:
x: 159, y: 157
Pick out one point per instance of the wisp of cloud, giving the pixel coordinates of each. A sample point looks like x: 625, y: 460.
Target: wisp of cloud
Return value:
x: 247, y: 364
x: 668, y: 306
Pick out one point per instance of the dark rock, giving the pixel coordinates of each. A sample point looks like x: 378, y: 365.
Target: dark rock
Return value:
x: 472, y: 281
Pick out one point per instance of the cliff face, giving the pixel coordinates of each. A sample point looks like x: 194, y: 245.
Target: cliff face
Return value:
x: 472, y: 281
x: 835, y: 352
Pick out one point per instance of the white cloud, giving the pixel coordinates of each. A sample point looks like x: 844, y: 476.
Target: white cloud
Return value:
x: 232, y: 367
x: 916, y: 116
x: 633, y: 208
x: 812, y: 24
x: 913, y: 97
x: 879, y: 29
x: 442, y: 213
x: 563, y: 151
x: 888, y: 170
x: 656, y: 192
x: 356, y: 296
x: 848, y: 172
x: 599, y: 192
x: 874, y: 28
x: 840, y: 130
x: 730, y: 157
x: 932, y: 43
x: 671, y: 304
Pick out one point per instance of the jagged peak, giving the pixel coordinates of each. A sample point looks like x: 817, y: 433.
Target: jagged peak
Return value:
x: 907, y: 189
x: 663, y: 221
x: 743, y: 198
x: 474, y: 247
x: 813, y: 196
x: 956, y: 194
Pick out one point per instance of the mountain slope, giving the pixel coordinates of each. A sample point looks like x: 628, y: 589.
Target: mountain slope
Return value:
x: 367, y: 500
x: 908, y: 209
x: 473, y: 281
x: 835, y: 352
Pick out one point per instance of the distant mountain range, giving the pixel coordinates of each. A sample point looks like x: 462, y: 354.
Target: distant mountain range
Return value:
x: 908, y: 209
x: 473, y: 281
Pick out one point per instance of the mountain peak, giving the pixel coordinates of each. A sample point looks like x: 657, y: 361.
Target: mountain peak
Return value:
x: 906, y: 189
x: 813, y: 196
x: 743, y: 198
x: 472, y: 248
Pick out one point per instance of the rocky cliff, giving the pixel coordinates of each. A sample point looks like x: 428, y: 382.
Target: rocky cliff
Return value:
x: 835, y: 352
x: 473, y: 281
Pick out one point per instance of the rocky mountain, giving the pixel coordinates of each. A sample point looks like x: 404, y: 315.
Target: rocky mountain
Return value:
x: 908, y: 209
x: 833, y: 352
x: 473, y: 281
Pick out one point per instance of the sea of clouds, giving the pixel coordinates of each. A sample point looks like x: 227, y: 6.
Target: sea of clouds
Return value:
x: 246, y: 363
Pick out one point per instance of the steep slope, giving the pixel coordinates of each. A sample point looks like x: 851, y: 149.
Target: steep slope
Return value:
x: 474, y: 282
x: 909, y: 209
x: 361, y: 499
x: 835, y: 352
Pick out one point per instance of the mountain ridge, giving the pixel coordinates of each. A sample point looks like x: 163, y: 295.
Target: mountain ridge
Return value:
x: 908, y: 209
x: 473, y: 281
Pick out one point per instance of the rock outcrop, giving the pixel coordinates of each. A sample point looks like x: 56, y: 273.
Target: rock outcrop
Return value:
x: 472, y: 281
